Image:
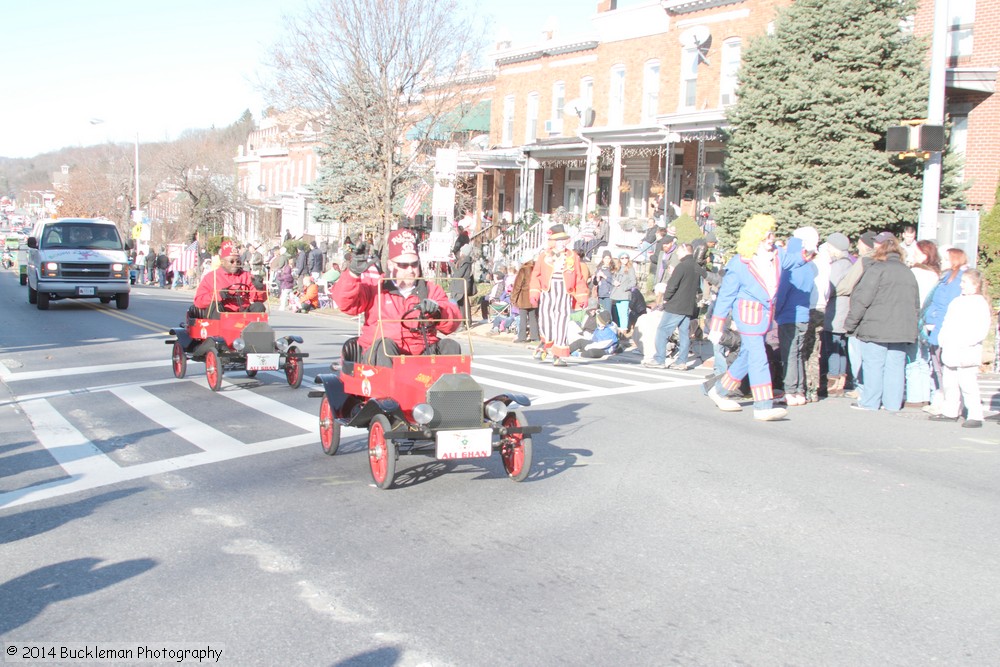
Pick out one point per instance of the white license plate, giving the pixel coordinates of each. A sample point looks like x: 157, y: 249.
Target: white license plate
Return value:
x: 86, y: 291
x: 262, y: 362
x: 474, y: 443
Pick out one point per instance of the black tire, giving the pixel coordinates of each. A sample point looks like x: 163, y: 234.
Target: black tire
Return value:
x: 42, y: 300
x: 329, y: 428
x: 178, y: 359
x: 251, y: 374
x: 381, y: 452
x: 293, y: 368
x: 32, y: 296
x: 515, y: 449
x: 213, y: 370
x: 105, y: 299
x: 121, y: 300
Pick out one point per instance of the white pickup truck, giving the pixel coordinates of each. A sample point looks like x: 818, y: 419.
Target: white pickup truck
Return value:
x: 77, y: 258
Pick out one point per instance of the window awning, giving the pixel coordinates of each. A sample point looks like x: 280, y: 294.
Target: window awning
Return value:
x: 468, y: 118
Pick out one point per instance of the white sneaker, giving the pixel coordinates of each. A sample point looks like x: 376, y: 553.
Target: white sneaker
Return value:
x: 770, y: 415
x: 724, y: 404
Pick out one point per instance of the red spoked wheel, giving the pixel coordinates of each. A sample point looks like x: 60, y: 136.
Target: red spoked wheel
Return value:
x: 293, y: 368
x: 329, y: 428
x: 213, y: 370
x: 179, y: 360
x: 381, y: 452
x: 515, y: 448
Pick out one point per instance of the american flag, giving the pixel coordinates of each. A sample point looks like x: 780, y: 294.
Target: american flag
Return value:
x: 188, y: 259
x: 415, y: 198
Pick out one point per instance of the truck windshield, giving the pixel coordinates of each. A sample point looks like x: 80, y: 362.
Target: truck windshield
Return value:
x: 96, y: 237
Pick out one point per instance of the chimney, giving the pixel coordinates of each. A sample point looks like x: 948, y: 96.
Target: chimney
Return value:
x: 606, y: 6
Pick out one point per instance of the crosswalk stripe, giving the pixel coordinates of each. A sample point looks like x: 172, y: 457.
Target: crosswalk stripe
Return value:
x: 77, y: 455
x: 276, y: 409
x: 199, y: 434
x: 534, y: 376
x: 84, y: 370
x: 531, y: 392
x: 570, y: 396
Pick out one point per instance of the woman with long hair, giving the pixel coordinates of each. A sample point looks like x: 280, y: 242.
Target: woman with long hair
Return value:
x: 948, y: 288
x: 883, y: 314
x: 927, y: 270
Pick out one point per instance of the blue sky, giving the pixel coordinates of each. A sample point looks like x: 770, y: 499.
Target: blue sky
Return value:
x: 158, y: 68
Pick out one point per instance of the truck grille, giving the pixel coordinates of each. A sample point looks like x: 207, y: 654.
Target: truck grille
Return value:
x: 85, y: 271
x: 457, y: 400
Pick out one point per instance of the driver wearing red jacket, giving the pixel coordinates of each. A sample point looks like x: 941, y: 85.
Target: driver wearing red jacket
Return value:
x: 383, y: 334
x: 229, y: 285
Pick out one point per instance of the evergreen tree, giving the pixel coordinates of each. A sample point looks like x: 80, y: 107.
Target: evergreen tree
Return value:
x: 989, y: 248
x: 807, y: 135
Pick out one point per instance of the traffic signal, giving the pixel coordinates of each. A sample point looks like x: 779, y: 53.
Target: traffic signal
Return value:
x: 914, y: 138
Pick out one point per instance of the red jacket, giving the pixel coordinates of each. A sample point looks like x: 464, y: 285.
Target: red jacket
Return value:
x: 355, y: 296
x: 573, y: 278
x: 212, y: 283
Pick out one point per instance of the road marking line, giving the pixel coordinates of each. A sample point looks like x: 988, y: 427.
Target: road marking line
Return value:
x: 272, y: 408
x: 84, y: 370
x: 560, y: 398
x: 530, y: 391
x: 131, y: 319
x: 534, y: 376
x: 198, y: 433
x: 77, y: 455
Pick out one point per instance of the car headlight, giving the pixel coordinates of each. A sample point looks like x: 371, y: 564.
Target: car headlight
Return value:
x: 423, y: 413
x: 496, y: 411
x: 239, y: 344
x: 282, y: 345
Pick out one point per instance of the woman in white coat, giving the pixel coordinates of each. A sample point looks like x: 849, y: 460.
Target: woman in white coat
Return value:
x: 965, y: 326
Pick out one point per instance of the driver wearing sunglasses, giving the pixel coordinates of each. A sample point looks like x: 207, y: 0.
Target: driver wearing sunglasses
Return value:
x: 384, y: 334
x: 229, y: 287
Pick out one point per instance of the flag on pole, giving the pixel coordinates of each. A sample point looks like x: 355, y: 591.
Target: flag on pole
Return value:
x: 415, y: 198
x: 188, y: 259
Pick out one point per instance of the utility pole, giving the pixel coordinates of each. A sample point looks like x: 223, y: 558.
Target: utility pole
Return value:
x: 927, y: 227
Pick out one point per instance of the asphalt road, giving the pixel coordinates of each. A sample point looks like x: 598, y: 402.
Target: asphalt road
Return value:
x: 140, y: 509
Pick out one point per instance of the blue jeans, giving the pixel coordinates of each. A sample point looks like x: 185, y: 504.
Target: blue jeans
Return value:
x: 835, y: 351
x: 791, y: 337
x: 854, y: 358
x: 665, y: 329
x: 884, y: 368
x: 918, y: 373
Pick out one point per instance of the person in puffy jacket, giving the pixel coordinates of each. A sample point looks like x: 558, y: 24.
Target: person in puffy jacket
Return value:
x: 384, y: 304
x: 962, y: 332
x: 885, y: 305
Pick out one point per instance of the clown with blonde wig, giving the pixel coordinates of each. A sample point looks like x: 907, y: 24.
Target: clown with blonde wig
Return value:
x: 747, y: 294
x: 557, y: 283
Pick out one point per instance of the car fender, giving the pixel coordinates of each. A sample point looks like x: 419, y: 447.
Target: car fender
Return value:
x: 511, y: 397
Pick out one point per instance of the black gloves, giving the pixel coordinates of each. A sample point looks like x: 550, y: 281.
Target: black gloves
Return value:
x: 430, y: 307
x: 224, y: 293
x: 362, y: 260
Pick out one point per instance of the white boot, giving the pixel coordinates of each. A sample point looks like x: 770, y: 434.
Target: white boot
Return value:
x: 724, y: 404
x: 937, y: 402
x: 770, y: 415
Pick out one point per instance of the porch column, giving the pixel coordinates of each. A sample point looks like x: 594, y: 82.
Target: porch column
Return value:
x: 615, y: 207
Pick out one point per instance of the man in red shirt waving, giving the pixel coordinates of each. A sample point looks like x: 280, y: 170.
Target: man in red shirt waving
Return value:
x: 384, y: 334
x: 229, y: 286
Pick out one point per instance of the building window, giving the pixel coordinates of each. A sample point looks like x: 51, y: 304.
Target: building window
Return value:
x: 587, y: 92
x: 616, y: 96
x: 961, y: 17
x: 689, y: 77
x: 531, y: 119
x: 650, y: 90
x: 730, y: 68
x: 507, y: 131
x: 558, y: 99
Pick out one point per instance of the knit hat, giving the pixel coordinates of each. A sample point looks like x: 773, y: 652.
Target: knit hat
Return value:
x: 603, y: 317
x: 839, y: 241
x: 809, y: 237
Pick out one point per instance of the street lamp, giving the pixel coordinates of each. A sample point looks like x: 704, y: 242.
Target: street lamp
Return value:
x: 136, y: 211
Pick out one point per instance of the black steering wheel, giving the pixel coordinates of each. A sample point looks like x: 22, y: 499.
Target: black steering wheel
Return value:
x: 422, y: 323
x: 238, y: 293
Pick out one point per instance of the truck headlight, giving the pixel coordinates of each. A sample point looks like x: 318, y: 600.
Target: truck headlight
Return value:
x: 117, y: 267
x: 496, y: 411
x: 423, y: 413
x: 50, y: 269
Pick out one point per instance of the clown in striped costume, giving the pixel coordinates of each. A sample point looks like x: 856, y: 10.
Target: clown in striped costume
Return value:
x: 557, y: 285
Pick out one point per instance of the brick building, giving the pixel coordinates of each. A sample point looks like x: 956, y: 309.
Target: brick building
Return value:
x: 273, y: 169
x: 972, y: 105
x: 594, y: 121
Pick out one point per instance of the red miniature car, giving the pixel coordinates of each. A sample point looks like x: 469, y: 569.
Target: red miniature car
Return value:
x: 426, y: 404
x: 234, y: 341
